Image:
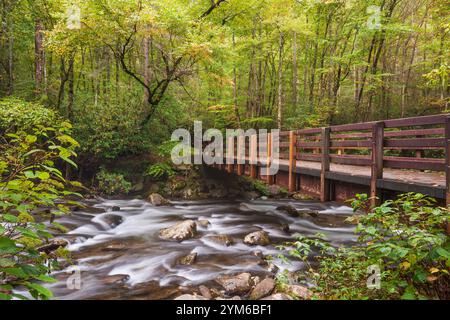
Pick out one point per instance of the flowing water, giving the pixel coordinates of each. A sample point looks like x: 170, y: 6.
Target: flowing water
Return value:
x: 118, y: 254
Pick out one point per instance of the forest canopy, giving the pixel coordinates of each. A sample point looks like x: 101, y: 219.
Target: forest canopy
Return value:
x: 116, y: 68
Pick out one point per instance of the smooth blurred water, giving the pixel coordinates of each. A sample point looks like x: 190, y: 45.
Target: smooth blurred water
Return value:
x: 100, y: 248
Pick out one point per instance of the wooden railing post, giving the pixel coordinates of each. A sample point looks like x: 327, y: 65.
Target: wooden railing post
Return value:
x: 230, y: 154
x: 292, y: 161
x: 240, y: 157
x: 377, y: 160
x: 324, y: 185
x: 447, y: 166
x: 254, y: 156
x: 270, y: 178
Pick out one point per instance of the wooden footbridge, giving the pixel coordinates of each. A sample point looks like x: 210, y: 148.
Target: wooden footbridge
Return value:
x: 381, y: 158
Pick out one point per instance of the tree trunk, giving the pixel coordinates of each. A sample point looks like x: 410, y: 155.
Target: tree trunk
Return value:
x: 280, y: 83
x: 294, y: 71
x: 39, y: 55
x: 235, y: 98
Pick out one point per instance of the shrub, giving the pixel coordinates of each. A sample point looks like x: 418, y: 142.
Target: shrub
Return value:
x: 160, y: 171
x: 18, y: 114
x: 30, y: 180
x: 406, y: 239
x: 111, y: 183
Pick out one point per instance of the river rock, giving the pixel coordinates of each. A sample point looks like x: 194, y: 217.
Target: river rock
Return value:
x: 112, y: 220
x: 205, y: 292
x: 311, y: 213
x: 230, y: 299
x: 258, y: 254
x: 138, y: 187
x: 92, y: 210
x: 222, y: 239
x: 297, y: 291
x: 263, y: 289
x: 203, y: 223
x: 187, y: 297
x: 260, y: 238
x: 278, y: 296
x: 236, y: 285
x: 285, y: 227
x: 115, y: 247
x: 116, y: 279
x: 115, y: 208
x: 158, y: 200
x: 272, y: 268
x: 53, y: 245
x: 290, y: 210
x: 274, y: 190
x: 302, y: 197
x: 189, y: 259
x: 179, y: 232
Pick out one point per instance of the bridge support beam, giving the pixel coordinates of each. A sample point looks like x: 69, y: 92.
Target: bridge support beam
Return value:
x: 324, y: 183
x: 292, y: 161
x: 377, y: 161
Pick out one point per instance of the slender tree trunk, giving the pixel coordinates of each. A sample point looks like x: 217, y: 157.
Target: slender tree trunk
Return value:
x: 71, y: 96
x: 39, y: 55
x: 294, y: 71
x: 146, y: 67
x: 280, y: 82
x: 235, y: 93
x: 10, y: 59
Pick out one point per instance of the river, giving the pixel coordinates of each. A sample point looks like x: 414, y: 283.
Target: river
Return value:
x: 118, y: 254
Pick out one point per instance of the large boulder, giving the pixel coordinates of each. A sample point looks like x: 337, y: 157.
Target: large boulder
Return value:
x: 263, y: 289
x: 258, y: 238
x: 179, y: 232
x: 236, y: 285
x: 158, y: 200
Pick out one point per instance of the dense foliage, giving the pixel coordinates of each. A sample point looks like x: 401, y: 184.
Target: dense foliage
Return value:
x: 112, y: 183
x: 126, y: 73
x: 31, y: 187
x: 405, y: 239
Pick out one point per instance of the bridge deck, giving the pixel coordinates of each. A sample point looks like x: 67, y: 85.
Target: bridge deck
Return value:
x: 424, y: 177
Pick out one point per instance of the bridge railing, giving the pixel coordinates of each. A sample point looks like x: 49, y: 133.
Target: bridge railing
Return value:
x: 419, y: 143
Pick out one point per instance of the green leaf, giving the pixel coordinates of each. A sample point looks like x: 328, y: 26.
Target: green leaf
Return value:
x: 10, y: 218
x: 6, y: 243
x: 31, y: 139
x: 4, y: 296
x: 409, y: 294
x: 18, y: 272
x: 443, y: 253
x: 5, y: 262
x: 43, y: 175
x: 66, y: 159
x: 40, y: 289
x: 45, y: 278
